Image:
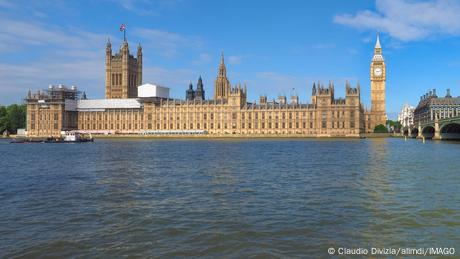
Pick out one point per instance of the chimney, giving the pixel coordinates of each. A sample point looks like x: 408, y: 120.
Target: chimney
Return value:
x: 294, y: 99
x: 282, y: 99
x: 263, y: 99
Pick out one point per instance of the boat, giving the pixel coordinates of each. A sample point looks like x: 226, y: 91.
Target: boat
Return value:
x: 67, y: 137
x: 72, y: 136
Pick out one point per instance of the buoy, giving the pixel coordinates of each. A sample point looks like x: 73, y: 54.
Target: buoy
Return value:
x: 423, y: 140
x: 405, y: 138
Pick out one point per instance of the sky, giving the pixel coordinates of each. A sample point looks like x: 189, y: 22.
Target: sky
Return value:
x: 274, y: 47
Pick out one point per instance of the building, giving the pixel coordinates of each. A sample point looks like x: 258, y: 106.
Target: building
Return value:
x: 144, y: 110
x: 406, y: 116
x: 431, y: 107
x: 51, y: 111
x: 123, y: 72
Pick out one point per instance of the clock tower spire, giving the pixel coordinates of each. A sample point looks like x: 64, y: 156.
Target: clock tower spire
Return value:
x: 378, y: 78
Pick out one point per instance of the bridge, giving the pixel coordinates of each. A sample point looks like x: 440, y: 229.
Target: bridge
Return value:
x: 444, y: 129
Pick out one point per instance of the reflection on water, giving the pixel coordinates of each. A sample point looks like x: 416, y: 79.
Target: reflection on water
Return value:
x: 233, y: 198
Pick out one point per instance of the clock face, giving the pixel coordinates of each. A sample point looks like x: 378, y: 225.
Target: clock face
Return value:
x: 378, y: 71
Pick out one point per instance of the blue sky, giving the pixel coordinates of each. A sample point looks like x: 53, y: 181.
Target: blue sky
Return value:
x: 272, y: 46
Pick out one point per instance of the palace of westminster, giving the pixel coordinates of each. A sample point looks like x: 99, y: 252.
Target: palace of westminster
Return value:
x: 132, y: 108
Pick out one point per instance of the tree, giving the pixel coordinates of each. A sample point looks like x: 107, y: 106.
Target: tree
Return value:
x: 380, y: 129
x: 12, y: 117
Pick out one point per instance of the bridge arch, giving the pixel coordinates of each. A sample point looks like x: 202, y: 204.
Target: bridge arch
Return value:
x: 405, y: 132
x: 450, y: 130
x: 428, y: 132
x: 414, y: 133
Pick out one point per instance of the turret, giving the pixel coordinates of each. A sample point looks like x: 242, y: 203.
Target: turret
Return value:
x: 199, y: 94
x: 139, y: 66
x: 190, y: 93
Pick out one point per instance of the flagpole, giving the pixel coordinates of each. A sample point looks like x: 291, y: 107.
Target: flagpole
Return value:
x: 124, y: 34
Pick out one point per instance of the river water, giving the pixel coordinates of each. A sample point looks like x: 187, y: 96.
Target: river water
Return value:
x: 227, y: 198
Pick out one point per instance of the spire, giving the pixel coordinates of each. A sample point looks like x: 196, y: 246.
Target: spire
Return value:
x: 377, y: 43
x: 313, y: 90
x: 199, y: 85
x: 222, y: 68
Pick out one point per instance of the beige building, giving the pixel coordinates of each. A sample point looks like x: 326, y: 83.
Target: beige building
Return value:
x: 378, y: 79
x: 228, y: 113
x: 123, y: 72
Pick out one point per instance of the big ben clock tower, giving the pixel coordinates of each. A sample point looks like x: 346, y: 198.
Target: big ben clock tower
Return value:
x: 378, y: 78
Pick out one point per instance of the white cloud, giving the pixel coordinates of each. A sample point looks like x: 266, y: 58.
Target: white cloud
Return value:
x: 203, y: 58
x: 235, y: 60
x: 147, y: 7
x: 408, y: 20
x: 73, y: 56
x: 167, y: 44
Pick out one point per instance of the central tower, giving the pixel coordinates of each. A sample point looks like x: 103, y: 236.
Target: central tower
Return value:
x: 123, y: 72
x: 222, y: 85
x: 378, y: 78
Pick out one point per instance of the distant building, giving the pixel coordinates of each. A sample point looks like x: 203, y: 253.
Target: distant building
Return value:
x: 431, y: 107
x: 406, y: 116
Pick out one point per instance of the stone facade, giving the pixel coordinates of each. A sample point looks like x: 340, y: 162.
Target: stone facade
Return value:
x: 51, y: 111
x: 378, y: 78
x: 432, y: 107
x: 123, y: 72
x: 228, y: 113
x: 406, y: 116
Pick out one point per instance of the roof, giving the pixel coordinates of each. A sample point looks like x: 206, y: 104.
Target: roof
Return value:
x: 101, y: 104
x: 152, y: 85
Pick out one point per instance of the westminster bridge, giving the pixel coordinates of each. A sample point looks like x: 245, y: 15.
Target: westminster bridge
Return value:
x: 444, y: 129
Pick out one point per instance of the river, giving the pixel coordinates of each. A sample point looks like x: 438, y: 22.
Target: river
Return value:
x: 227, y: 198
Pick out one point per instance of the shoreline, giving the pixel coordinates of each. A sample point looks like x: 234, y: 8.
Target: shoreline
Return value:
x: 228, y: 136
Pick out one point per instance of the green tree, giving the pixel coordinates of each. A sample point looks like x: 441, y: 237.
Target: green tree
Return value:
x: 3, y: 119
x: 380, y: 129
x: 12, y: 117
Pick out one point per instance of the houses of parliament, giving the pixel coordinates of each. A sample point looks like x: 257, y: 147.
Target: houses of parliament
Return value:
x: 132, y: 108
